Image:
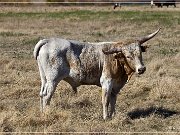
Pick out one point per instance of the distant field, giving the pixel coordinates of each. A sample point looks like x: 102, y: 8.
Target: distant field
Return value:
x: 149, y: 103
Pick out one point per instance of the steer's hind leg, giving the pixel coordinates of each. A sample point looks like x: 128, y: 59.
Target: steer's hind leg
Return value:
x: 43, y: 84
x: 53, y: 79
x: 43, y: 79
x: 50, y: 88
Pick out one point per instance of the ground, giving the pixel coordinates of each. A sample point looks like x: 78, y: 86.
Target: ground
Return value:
x: 148, y: 103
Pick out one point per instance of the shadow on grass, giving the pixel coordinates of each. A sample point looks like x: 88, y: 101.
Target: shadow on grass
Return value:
x: 142, y: 113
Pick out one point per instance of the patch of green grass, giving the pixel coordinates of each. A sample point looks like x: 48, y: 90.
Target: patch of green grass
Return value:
x: 20, y: 14
x: 11, y: 34
x: 31, y: 42
x: 97, y: 34
x: 166, y: 18
x: 80, y: 14
x: 178, y: 21
x: 166, y: 51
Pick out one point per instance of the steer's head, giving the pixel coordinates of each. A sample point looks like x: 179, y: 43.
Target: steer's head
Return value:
x: 131, y: 53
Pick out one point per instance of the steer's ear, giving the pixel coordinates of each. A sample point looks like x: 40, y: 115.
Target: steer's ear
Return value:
x: 143, y: 48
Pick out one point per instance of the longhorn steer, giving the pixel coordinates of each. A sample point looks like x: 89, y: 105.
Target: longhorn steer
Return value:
x: 105, y: 64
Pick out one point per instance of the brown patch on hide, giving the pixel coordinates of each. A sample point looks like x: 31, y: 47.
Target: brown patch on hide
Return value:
x: 72, y: 64
x: 52, y: 61
x: 116, y: 67
x: 112, y: 67
x: 116, y: 64
x: 90, y: 65
x: 129, y: 71
x: 121, y: 58
x: 75, y: 65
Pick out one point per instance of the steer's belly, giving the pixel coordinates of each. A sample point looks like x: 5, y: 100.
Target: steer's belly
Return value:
x: 85, y: 77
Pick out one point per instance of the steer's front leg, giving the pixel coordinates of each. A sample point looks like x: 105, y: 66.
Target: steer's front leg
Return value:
x: 106, y: 92
x: 105, y: 103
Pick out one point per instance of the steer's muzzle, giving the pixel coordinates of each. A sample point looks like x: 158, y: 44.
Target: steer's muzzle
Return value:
x: 141, y: 70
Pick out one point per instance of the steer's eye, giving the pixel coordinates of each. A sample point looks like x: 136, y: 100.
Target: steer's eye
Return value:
x: 129, y: 57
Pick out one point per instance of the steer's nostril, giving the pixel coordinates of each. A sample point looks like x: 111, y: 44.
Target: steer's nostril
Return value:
x: 141, y: 70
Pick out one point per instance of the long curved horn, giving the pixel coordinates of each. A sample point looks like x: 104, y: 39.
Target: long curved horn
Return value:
x: 144, y: 39
x: 111, y: 51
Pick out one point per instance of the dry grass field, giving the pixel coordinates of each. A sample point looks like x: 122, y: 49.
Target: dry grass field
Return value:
x: 148, y: 103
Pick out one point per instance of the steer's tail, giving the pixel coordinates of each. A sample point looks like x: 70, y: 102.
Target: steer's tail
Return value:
x: 38, y: 46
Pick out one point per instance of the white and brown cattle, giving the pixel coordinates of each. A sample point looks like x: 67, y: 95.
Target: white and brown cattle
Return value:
x: 107, y: 64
